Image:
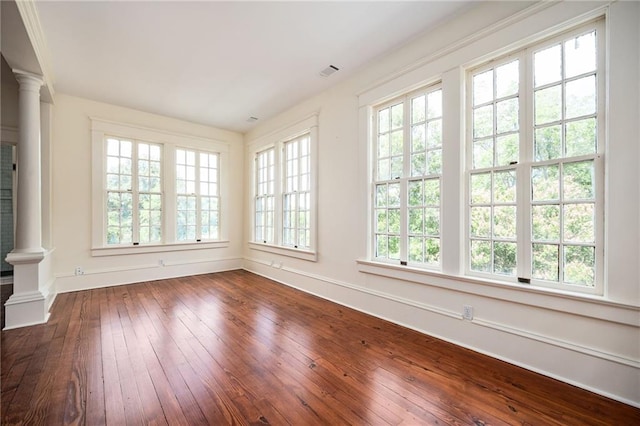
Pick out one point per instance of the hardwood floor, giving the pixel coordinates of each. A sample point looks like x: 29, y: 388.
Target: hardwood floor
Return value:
x: 236, y: 348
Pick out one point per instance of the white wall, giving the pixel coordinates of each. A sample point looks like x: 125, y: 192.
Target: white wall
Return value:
x: 72, y: 218
x: 590, y: 341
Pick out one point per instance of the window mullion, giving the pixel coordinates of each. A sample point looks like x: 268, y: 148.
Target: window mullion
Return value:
x: 404, y: 187
x: 524, y: 166
x: 135, y: 237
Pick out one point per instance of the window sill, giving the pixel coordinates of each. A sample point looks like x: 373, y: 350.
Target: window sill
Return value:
x: 311, y: 256
x: 526, y: 294
x: 157, y: 248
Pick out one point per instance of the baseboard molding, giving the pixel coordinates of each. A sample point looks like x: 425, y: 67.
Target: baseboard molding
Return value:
x: 464, y: 335
x: 108, y: 277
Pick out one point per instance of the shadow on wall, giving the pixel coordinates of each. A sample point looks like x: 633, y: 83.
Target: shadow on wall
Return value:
x: 6, y: 290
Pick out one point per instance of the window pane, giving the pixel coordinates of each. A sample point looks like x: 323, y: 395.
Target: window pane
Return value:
x: 480, y: 256
x: 579, y: 265
x: 548, y: 65
x: 432, y: 250
x: 417, y: 138
x: 580, y: 54
x: 578, y: 222
x: 482, y: 153
x: 383, y: 120
x: 545, y: 183
x: 548, y: 143
x: 548, y: 104
x: 507, y: 149
x: 432, y: 192
x: 504, y: 222
x: 481, y: 221
x: 504, y: 255
x: 578, y: 182
x: 483, y: 87
x: 416, y: 249
x: 416, y: 221
x: 581, y: 97
x: 545, y: 264
x: 481, y: 188
x: 504, y: 186
x: 418, y: 109
x: 546, y: 222
x: 483, y: 121
x: 580, y: 137
x: 507, y: 79
x: 397, y: 116
x: 434, y: 104
x: 415, y: 193
x: 434, y: 134
x: 507, y: 115
x: 432, y: 221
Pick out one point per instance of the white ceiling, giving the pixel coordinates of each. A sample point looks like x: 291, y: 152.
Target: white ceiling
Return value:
x: 218, y: 63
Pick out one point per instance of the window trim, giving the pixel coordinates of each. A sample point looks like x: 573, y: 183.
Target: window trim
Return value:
x: 449, y: 64
x: 406, y: 178
x: 276, y: 140
x: 524, y: 53
x: 170, y: 141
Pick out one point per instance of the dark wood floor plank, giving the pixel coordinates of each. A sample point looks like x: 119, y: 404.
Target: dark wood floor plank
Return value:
x: 235, y: 348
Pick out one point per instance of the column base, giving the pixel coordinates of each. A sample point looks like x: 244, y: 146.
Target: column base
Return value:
x: 31, y: 299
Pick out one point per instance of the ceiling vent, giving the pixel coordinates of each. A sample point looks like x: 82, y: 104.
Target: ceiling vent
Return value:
x: 329, y: 70
x: 252, y: 119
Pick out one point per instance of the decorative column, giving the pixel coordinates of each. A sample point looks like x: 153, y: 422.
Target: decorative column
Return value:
x: 28, y: 304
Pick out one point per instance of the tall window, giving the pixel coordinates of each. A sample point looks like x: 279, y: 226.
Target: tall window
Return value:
x: 407, y: 173
x: 284, y: 191
x: 535, y: 172
x: 133, y: 192
x: 296, y: 220
x: 198, y: 198
x: 265, y: 196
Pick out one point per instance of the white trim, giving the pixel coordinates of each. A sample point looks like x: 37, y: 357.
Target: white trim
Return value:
x: 559, y: 343
x: 276, y: 140
x: 31, y: 21
x: 284, y: 251
x: 157, y: 248
x: 9, y: 135
x: 542, y: 20
x: 542, y: 297
x: 169, y: 141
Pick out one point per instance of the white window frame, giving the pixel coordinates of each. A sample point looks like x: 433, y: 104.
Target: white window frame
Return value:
x: 198, y: 192
x: 276, y: 141
x: 527, y: 162
x: 449, y: 65
x: 101, y: 129
x: 405, y: 177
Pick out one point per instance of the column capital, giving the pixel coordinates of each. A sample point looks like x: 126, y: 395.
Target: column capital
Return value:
x: 26, y: 78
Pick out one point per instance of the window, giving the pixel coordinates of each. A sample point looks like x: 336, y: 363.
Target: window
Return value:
x: 133, y: 192
x: 198, y: 200
x: 284, y: 196
x: 407, y: 174
x: 265, y: 196
x: 155, y: 191
x: 296, y: 220
x: 535, y: 170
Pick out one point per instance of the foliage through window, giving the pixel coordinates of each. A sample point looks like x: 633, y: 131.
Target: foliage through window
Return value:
x: 133, y: 192
x: 296, y: 197
x: 407, y: 178
x: 265, y: 196
x: 534, y: 169
x: 198, y: 198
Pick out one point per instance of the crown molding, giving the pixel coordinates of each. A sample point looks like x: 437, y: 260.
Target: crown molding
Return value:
x: 33, y: 27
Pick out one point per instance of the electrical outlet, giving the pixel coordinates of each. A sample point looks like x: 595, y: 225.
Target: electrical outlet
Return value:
x: 467, y: 312
x: 79, y: 270
x: 161, y: 262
